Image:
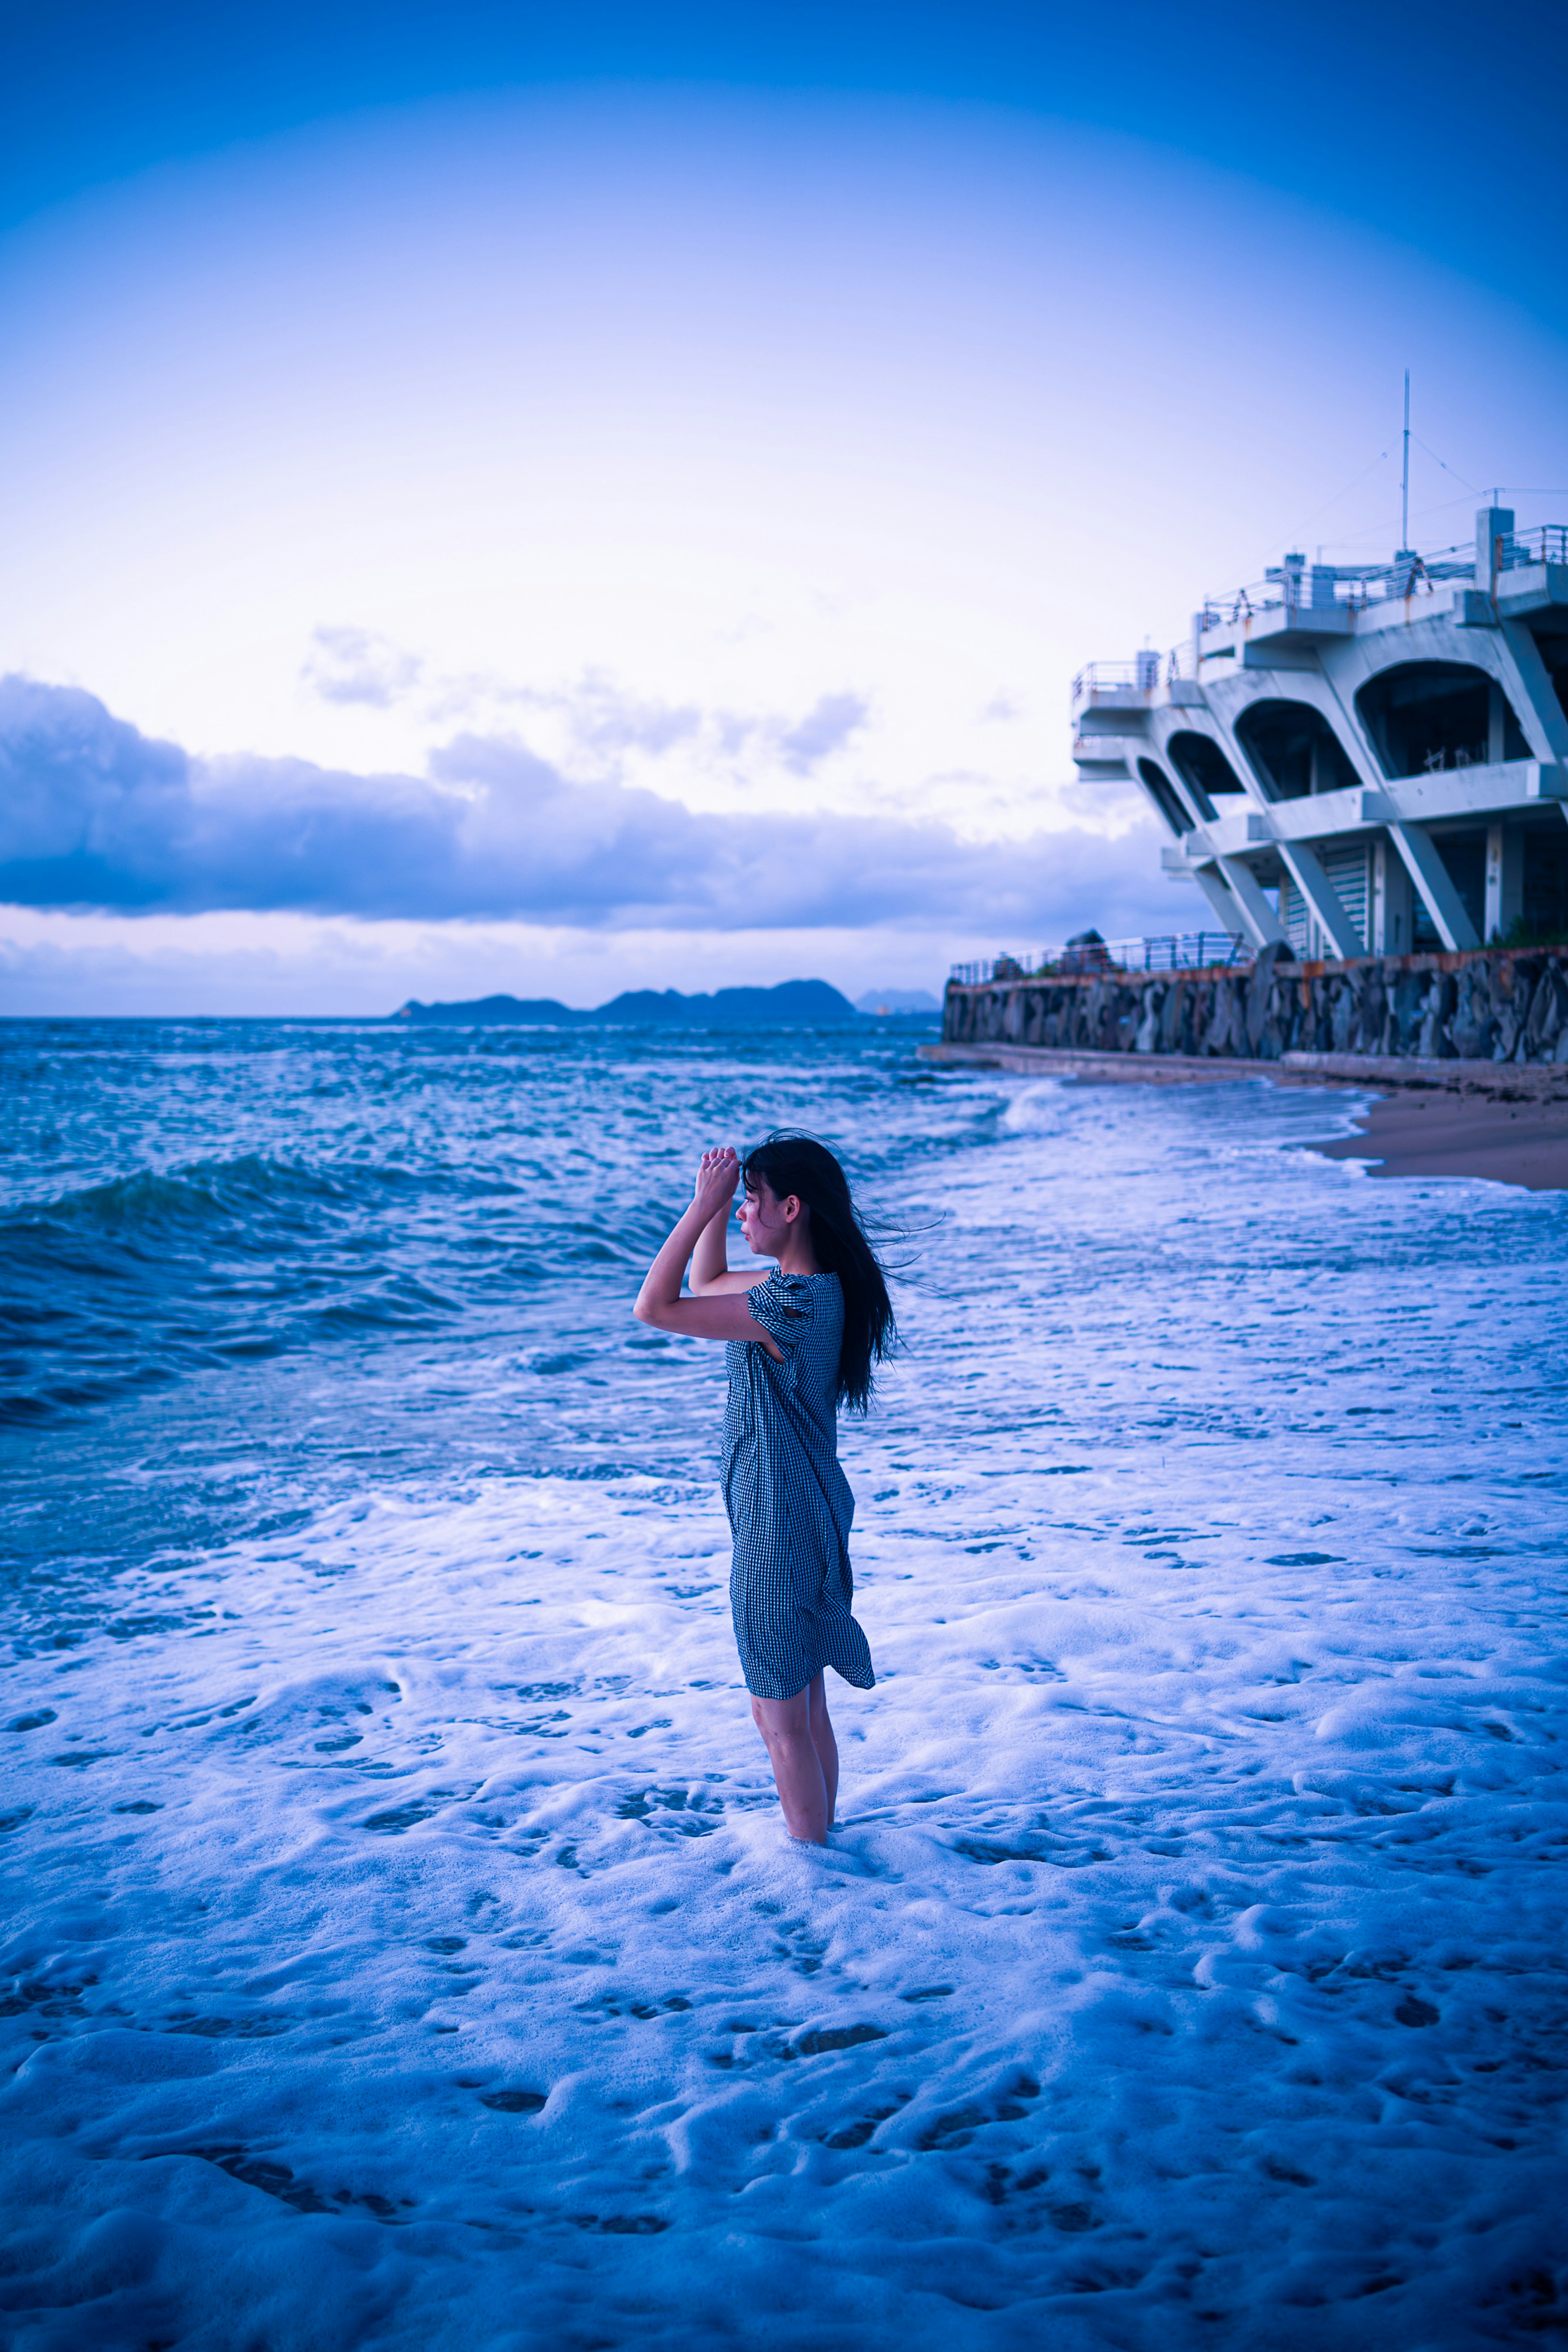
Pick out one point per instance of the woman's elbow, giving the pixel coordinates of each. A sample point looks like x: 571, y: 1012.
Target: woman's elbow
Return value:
x: 640, y: 1310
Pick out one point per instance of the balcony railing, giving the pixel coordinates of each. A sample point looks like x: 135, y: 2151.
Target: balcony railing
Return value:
x: 1547, y: 542
x: 1120, y: 678
x: 1293, y: 588
x: 1172, y: 952
x: 1320, y: 587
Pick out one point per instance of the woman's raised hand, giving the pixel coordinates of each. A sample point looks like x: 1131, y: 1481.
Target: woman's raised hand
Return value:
x: 718, y: 1172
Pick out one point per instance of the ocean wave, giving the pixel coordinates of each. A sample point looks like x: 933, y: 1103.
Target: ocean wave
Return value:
x: 235, y: 1202
x: 249, y: 1196
x: 130, y: 1284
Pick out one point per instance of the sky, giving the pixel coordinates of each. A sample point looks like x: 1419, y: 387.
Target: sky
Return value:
x: 506, y: 497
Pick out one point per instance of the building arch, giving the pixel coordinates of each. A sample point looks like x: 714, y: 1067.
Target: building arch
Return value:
x: 1294, y: 750
x: 1203, y: 769
x: 1166, y: 797
x: 1423, y: 716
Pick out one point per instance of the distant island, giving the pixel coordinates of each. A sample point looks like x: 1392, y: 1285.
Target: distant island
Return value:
x: 899, y: 1004
x: 793, y: 1005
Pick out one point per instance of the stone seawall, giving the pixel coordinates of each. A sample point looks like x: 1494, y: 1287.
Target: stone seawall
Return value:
x: 1493, y: 1004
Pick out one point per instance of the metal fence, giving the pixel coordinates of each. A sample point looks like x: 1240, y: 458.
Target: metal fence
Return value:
x: 1547, y: 542
x: 1172, y: 952
x: 1302, y: 587
x: 1120, y: 678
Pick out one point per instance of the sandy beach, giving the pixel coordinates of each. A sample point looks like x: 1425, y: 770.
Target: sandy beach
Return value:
x: 1508, y: 1125
x: 1443, y: 1133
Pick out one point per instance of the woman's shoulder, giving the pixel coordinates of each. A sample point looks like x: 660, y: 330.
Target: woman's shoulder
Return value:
x: 819, y: 1296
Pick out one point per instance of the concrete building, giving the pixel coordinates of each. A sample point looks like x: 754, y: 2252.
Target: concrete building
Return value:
x: 1361, y: 760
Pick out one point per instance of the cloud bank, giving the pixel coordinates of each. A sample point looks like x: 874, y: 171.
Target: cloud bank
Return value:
x: 93, y: 815
x: 601, y: 719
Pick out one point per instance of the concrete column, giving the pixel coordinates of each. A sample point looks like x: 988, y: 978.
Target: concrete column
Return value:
x: 1390, y: 924
x: 1430, y: 876
x: 1307, y: 873
x: 1492, y: 523
x: 1258, y: 919
x: 1529, y: 682
x: 1505, y: 879
x: 1229, y: 916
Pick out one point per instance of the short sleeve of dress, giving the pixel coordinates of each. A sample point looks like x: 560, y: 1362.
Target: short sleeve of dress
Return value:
x: 783, y: 1308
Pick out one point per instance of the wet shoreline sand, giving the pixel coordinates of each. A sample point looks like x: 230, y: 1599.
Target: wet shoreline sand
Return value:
x: 1507, y: 1125
x: 1434, y: 1133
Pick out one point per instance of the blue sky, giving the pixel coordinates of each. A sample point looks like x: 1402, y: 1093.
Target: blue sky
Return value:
x: 681, y: 462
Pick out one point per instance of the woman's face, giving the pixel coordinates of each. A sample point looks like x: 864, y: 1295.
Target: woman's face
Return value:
x: 765, y: 1219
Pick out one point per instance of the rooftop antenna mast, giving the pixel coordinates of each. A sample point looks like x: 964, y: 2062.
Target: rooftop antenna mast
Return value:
x: 1404, y: 476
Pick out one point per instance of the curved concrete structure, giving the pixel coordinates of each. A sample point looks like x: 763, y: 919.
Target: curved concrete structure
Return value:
x: 1362, y: 761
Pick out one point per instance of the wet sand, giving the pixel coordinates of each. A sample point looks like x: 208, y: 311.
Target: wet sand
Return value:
x: 1444, y: 1133
x: 1505, y: 1123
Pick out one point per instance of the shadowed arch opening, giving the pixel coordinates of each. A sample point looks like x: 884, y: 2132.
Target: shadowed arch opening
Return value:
x: 1294, y: 750
x: 1165, y: 795
x: 1203, y: 768
x: 1423, y: 717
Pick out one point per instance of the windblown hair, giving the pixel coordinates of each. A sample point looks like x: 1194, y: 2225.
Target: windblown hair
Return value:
x: 792, y: 1161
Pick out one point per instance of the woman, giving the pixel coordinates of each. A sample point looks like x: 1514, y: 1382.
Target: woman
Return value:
x: 802, y: 1341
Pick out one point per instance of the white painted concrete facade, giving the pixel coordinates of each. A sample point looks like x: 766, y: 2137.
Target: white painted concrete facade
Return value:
x: 1361, y: 760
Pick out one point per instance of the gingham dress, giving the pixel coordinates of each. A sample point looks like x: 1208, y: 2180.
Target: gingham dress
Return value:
x: 790, y: 1503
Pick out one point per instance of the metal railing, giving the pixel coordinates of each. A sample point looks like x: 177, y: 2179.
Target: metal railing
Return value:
x: 1139, y: 675
x: 1330, y: 587
x: 1298, y: 586
x: 1347, y: 589
x: 1546, y: 543
x: 1170, y: 951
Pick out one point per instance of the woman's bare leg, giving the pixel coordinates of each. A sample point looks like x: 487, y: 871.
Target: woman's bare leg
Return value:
x: 786, y: 1732
x: 822, y: 1740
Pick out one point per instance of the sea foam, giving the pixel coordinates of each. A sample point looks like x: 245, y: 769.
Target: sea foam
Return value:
x: 401, y: 1941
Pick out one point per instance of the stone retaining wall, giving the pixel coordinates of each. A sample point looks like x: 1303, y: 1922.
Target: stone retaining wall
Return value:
x: 1493, y: 1004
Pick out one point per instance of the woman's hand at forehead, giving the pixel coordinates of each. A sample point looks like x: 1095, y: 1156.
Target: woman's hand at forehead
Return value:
x: 718, y: 1173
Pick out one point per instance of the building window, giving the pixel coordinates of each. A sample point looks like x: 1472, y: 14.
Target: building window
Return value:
x: 1203, y: 768
x: 1425, y: 717
x: 1166, y: 797
x: 1294, y: 750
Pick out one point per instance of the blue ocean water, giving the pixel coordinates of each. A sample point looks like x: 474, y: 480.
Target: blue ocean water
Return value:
x: 399, y: 1945
x: 241, y: 1263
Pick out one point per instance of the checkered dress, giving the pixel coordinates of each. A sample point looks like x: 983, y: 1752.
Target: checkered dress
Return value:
x: 790, y: 1503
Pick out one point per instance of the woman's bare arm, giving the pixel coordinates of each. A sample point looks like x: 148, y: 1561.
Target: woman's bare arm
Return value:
x: 720, y: 1314
x: 710, y: 1259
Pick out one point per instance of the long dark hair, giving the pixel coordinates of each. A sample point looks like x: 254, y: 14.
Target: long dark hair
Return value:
x: 792, y: 1161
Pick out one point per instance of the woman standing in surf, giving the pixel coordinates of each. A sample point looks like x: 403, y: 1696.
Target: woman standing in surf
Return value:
x: 803, y: 1340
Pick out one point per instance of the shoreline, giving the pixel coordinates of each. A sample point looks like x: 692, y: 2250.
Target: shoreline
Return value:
x: 1523, y: 1143
x: 1505, y: 1123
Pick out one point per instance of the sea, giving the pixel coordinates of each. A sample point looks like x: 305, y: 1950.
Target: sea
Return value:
x: 400, y: 1946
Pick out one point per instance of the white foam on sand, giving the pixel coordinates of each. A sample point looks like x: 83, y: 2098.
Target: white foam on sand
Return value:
x: 407, y: 1951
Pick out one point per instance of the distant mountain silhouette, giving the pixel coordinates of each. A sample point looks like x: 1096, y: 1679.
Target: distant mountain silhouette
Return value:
x: 793, y: 1005
x: 899, y: 1004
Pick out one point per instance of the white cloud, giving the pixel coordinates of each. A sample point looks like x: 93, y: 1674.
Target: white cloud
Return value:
x: 95, y: 814
x: 359, y: 665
